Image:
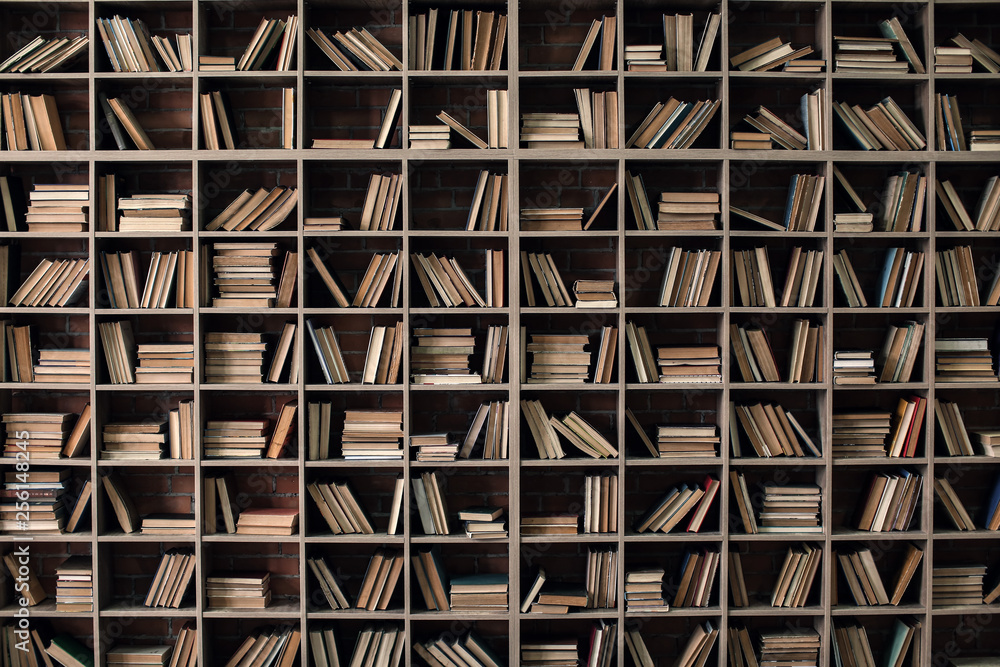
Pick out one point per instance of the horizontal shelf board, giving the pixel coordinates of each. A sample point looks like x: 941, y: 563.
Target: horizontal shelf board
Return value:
x: 36, y: 461
x: 714, y: 461
x: 717, y: 233
x: 579, y: 538
x: 667, y: 386
x: 314, y: 310
x: 681, y: 536
x: 768, y: 611
x: 344, y: 614
x: 569, y: 386
x: 882, y: 386
x: 45, y: 310
x: 142, y: 311
x: 965, y: 535
x: 455, y: 233
x: 482, y: 387
x: 712, y: 75
x: 355, y: 538
x: 950, y: 461
x: 273, y: 539
x: 783, y: 386
x: 279, y: 609
x: 596, y: 75
x: 567, y: 462
x: 461, y: 310
x: 28, y: 536
x: 394, y: 75
x: 463, y: 615
x: 967, y: 385
x: 111, y: 77
x: 881, y: 235
x: 694, y: 612
x: 46, y: 609
x: 674, y: 310
x: 462, y: 463
x: 351, y: 233
x: 266, y: 387
x: 341, y: 463
x: 895, y: 461
x: 950, y: 610
x: 847, y: 310
x: 846, y: 534
x: 777, y: 76
x: 878, y: 610
x: 157, y: 387
x: 894, y: 79
x: 144, y: 235
x: 574, y: 613
x: 153, y: 463
x: 781, y: 461
x: 455, y: 539
x: 48, y: 386
x: 777, y: 537
x: 248, y: 463
x: 119, y: 536
x: 129, y: 609
x: 780, y: 310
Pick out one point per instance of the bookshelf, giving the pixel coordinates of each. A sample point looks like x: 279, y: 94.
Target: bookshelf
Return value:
x: 437, y: 190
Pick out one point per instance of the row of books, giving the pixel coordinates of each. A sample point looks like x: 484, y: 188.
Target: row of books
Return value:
x: 891, y: 502
x: 987, y: 215
x: 755, y: 284
x: 771, y: 430
x: 489, y: 208
x: 54, y: 282
x: 261, y: 210
x: 864, y: 581
x: 678, y: 503
x: 602, y: 29
x: 852, y: 647
x: 813, y: 110
x: 31, y: 122
x: 675, y: 210
x: 42, y: 55
x: 545, y: 433
x: 372, y: 285
x: 121, y: 121
x: 689, y: 277
x: 756, y: 358
x: 445, y: 283
x: 802, y: 209
x: 694, y: 363
x: 131, y: 48
x: 270, y: 646
x: 475, y: 38
x: 172, y: 580
x: 678, y: 50
x: 673, y: 124
x: 883, y: 126
x: 462, y: 649
x: 170, y: 278
x: 358, y: 50
x: 956, y: 435
x: 956, y: 279
x: 598, y: 117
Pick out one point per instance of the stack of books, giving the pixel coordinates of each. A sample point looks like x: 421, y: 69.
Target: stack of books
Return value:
x: 441, y: 356
x: 673, y: 124
x: 268, y: 521
x: 550, y: 652
x: 59, y: 366
x: 47, y: 433
x: 231, y: 590
x: 679, y: 210
x: 689, y: 277
x: 680, y: 441
x: 988, y: 441
x: 372, y: 434
x: 795, y: 579
x: 750, y: 141
x: 868, y: 55
x: 54, y: 282
x: 367, y: 51
x: 235, y: 438
x: 963, y: 360
x: 234, y: 357
x: 208, y: 63
x: 600, y: 504
x: 46, y: 512
x: 431, y: 504
x: 154, y: 213
x: 34, y: 123
x: 172, y: 580
x: 698, y: 363
x: 260, y: 210
x: 645, y: 58
x: 551, y: 220
x: 804, y: 66
x: 953, y: 585
x: 799, y: 646
x: 853, y: 223
x: 883, y: 126
x: 891, y: 501
x: 697, y: 578
x: 791, y: 509
x: 768, y: 55
x: 549, y: 524
x: 595, y: 293
x: 75, y: 585
x: 339, y: 505
x: 137, y: 441
x: 644, y: 590
x: 46, y: 55
x: 558, y: 358
x: 135, y: 656
x: 860, y: 434
x: 772, y: 431
x: 430, y: 136
x: 479, y: 592
x: 984, y: 140
x: 853, y: 367
x: 58, y: 208
x: 952, y: 60
x: 483, y: 523
x: 436, y: 447
x: 168, y: 524
x: 245, y: 274
x: 165, y: 363
x: 551, y: 130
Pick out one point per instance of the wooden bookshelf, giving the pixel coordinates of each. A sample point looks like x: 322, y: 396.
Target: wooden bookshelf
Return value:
x: 437, y: 190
